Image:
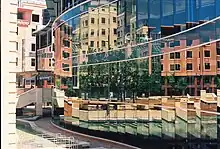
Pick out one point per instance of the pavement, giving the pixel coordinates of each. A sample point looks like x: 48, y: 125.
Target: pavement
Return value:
x: 27, y: 140
x: 95, y: 142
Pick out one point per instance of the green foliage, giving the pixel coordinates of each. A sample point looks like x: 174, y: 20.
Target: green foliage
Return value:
x: 217, y: 80
x: 70, y: 91
x: 181, y: 85
x: 58, y: 83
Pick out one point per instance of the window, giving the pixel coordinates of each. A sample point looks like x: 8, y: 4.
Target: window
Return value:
x: 115, y: 31
x: 171, y: 55
x: 189, y: 54
x: 218, y: 64
x: 189, y: 66
x: 92, y: 32
x: 177, y: 55
x: 66, y: 55
x: 172, y: 67
x: 91, y: 43
x: 207, y: 65
x: 92, y: 20
x: 17, y: 31
x: 86, y: 22
x: 33, y: 47
x: 33, y: 62
x: 97, y: 43
x: 119, y: 35
x: 114, y: 20
x: 35, y: 18
x: 199, y: 66
x: 65, y: 67
x: 207, y: 53
x: 103, y: 31
x: 177, y: 66
x: 218, y: 51
x: 103, y: 20
x: 161, y: 67
x: 66, y: 43
x: 16, y: 61
x: 118, y: 22
x: 33, y: 30
x: 103, y: 9
x: 103, y: 43
x: 20, y: 15
x: 49, y: 62
x: 115, y: 42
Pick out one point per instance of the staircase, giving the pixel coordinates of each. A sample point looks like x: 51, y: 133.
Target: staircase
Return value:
x: 40, y: 95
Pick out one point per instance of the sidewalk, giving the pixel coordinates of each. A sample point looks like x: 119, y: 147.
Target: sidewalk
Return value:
x: 30, y: 141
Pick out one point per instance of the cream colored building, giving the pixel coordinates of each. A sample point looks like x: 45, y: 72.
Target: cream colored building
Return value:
x: 98, y: 29
x: 8, y: 74
x: 29, y: 20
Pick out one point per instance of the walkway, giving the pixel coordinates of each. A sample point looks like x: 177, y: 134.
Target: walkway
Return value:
x: 30, y: 141
x: 94, y: 141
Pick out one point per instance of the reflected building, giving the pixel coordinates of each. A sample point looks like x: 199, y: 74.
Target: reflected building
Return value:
x: 85, y: 38
x: 29, y: 20
x: 92, y: 30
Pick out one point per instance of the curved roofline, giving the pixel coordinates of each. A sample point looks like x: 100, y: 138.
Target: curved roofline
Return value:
x: 70, y: 10
x: 47, y: 26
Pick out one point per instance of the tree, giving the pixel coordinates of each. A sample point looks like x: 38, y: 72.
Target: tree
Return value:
x: 217, y: 80
x: 70, y: 92
x: 172, y: 83
x: 181, y: 85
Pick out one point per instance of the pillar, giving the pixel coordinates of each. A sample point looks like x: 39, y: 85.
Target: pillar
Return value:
x: 196, y: 86
x: 213, y: 84
x: 149, y: 59
x: 166, y: 86
x: 39, y: 102
x: 45, y: 84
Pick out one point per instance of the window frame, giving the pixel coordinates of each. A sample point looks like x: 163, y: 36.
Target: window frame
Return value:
x: 32, y: 47
x: 32, y: 18
x: 187, y: 56
x: 206, y: 53
x: 207, y: 64
x: 187, y: 66
x: 33, y: 61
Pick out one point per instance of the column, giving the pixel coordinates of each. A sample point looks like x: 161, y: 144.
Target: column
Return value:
x: 166, y: 86
x: 213, y: 84
x: 196, y: 86
x: 45, y: 84
x: 39, y: 102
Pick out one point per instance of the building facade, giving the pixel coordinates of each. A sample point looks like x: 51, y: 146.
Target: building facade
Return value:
x: 136, y: 41
x: 30, y: 19
x: 8, y: 26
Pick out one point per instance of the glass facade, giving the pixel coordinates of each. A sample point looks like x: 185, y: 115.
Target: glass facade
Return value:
x: 88, y: 57
x: 134, y: 51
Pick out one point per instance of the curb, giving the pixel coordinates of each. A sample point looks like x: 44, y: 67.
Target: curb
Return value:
x: 95, y: 138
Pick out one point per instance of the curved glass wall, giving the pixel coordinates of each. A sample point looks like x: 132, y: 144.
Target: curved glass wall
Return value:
x: 153, y: 62
x: 90, y: 59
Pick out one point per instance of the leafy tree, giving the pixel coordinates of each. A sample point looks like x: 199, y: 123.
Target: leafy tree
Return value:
x: 70, y: 92
x: 181, y: 85
x: 172, y: 83
x: 217, y: 80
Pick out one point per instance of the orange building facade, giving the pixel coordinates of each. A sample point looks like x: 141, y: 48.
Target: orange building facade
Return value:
x: 199, y: 65
x: 63, y: 55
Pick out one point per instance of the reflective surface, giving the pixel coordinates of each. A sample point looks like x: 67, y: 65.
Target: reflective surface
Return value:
x: 129, y: 51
